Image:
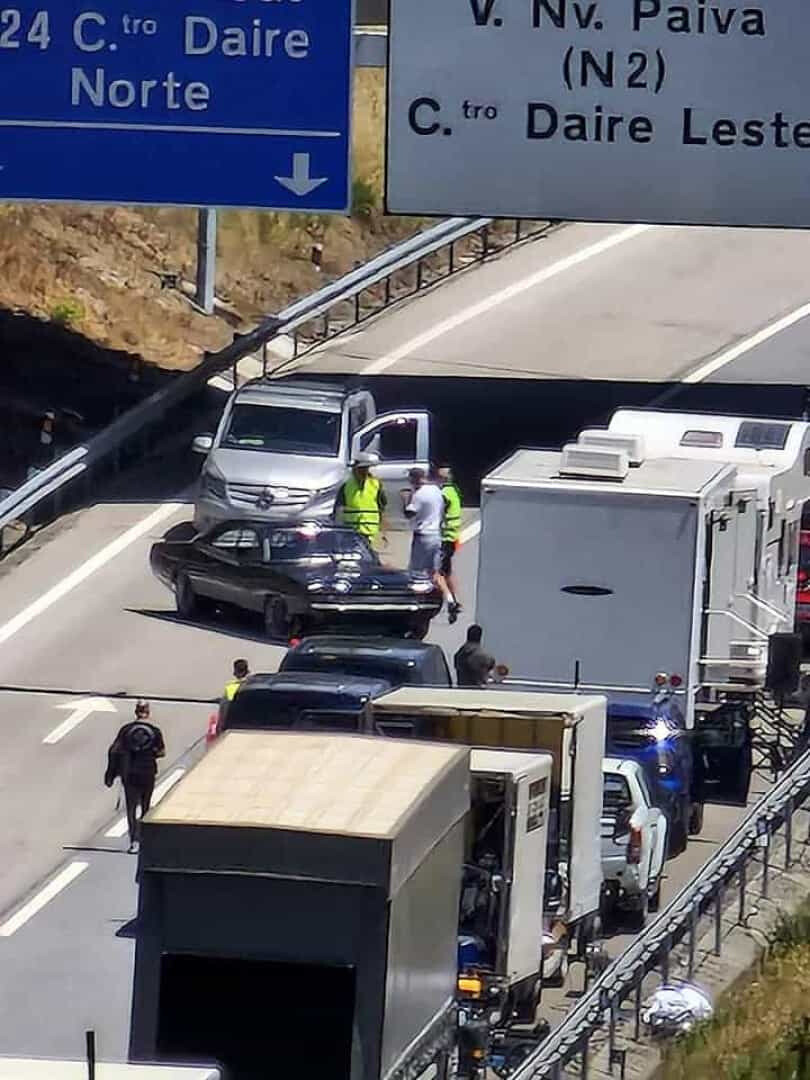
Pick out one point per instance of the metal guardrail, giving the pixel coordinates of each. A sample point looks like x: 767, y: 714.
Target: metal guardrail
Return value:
x: 394, y: 275
x: 597, y: 1012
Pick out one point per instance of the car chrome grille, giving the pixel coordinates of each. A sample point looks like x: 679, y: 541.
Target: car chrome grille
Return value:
x: 251, y: 494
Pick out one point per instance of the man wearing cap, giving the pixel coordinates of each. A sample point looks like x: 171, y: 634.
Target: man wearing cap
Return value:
x: 361, y: 501
x: 423, y: 505
x: 132, y: 758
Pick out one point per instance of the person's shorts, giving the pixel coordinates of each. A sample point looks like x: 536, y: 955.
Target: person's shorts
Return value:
x: 425, y: 553
x: 446, y: 559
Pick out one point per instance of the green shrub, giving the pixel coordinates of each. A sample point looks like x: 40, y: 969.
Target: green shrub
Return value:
x: 67, y: 312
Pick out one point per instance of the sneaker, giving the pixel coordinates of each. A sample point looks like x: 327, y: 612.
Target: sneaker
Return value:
x: 453, y: 612
x: 133, y: 847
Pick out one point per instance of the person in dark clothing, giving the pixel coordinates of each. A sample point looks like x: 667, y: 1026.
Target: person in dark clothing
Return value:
x: 474, y: 667
x: 132, y: 758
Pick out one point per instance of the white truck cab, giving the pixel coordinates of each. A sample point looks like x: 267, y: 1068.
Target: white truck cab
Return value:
x: 283, y: 448
x: 634, y: 842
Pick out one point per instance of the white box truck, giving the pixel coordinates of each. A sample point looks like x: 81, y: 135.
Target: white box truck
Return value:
x: 568, y: 727
x: 299, y: 898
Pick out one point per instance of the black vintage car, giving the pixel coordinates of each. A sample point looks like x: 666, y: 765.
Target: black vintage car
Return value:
x: 297, y: 576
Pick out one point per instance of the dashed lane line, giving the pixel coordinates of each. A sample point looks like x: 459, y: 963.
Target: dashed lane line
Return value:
x: 47, y: 893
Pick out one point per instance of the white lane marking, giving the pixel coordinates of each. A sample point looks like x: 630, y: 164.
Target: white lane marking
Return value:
x: 79, y: 710
x: 44, y: 896
x: 747, y: 344
x: 511, y: 291
x: 472, y: 530
x: 81, y: 573
x: 119, y: 829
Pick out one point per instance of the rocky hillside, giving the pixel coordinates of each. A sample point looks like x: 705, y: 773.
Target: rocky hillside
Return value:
x: 99, y: 270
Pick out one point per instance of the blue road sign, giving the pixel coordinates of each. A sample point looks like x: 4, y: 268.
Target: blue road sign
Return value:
x: 185, y: 102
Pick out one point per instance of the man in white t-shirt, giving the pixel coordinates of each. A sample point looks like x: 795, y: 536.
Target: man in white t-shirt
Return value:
x: 424, y: 507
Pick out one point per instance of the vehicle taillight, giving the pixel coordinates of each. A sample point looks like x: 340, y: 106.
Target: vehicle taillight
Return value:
x: 661, y: 679
x: 802, y: 577
x: 675, y: 681
x: 634, y: 846
x: 212, y: 730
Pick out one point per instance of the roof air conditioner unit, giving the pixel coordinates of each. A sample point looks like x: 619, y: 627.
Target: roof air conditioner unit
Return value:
x: 587, y: 462
x: 633, y: 445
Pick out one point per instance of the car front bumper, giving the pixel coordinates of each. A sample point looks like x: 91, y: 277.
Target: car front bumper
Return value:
x: 402, y: 607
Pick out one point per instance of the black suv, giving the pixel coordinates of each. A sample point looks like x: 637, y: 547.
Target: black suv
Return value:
x: 398, y: 661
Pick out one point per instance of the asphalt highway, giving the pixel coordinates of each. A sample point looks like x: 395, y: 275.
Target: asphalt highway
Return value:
x: 84, y: 628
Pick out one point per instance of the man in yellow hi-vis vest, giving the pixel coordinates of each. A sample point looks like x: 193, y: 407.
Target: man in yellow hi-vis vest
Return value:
x: 361, y: 500
x: 240, y: 673
x: 451, y: 531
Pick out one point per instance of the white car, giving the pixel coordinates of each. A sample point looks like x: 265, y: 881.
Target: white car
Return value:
x: 634, y: 843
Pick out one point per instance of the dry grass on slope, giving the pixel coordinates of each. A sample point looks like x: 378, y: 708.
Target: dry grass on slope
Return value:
x: 97, y: 268
x: 760, y: 1030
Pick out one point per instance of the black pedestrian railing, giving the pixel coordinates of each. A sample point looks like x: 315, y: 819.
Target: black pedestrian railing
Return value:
x: 723, y: 888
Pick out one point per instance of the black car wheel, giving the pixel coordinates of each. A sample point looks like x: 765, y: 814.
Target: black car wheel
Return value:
x: 419, y: 628
x: 637, y: 914
x: 186, y: 599
x: 277, y: 620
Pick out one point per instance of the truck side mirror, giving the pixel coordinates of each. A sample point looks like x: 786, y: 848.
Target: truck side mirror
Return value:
x: 202, y: 444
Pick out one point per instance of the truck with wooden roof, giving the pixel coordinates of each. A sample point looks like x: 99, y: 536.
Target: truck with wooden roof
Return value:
x: 570, y: 729
x: 299, y: 899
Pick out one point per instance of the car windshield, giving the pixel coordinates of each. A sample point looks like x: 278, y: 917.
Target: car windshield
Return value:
x: 312, y: 543
x: 257, y: 710
x: 283, y: 430
x: 392, y: 671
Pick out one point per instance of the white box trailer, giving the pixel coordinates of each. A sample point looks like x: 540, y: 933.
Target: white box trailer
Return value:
x: 568, y: 727
x: 593, y: 574
x: 501, y: 913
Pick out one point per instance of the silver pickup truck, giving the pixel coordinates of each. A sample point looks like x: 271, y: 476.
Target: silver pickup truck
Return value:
x: 634, y: 843
x: 283, y: 448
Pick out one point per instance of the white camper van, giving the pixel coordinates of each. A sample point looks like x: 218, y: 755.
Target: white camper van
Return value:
x: 591, y: 572
x: 759, y: 556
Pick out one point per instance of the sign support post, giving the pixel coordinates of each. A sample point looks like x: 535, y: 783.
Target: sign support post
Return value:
x: 206, y: 259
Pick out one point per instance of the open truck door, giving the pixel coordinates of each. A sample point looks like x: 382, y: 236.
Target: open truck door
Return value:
x: 402, y: 441
x: 722, y: 751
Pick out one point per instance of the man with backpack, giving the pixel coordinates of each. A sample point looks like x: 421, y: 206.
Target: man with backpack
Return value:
x: 132, y: 758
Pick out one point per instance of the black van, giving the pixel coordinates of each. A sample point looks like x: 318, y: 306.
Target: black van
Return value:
x: 399, y: 661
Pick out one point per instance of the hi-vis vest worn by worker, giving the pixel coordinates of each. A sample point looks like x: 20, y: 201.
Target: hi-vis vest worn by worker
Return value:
x: 231, y: 687
x: 361, y: 508
x: 451, y: 522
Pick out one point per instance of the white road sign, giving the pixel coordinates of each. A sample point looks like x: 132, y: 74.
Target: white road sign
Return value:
x: 608, y: 110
